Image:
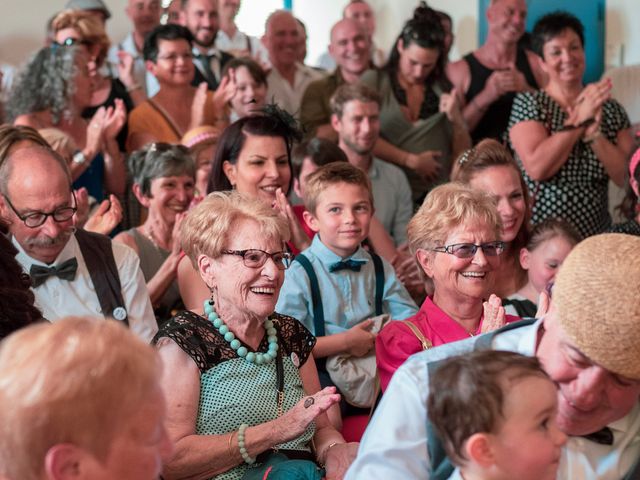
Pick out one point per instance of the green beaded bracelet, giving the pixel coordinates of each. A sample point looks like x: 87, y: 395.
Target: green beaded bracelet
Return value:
x: 242, y: 447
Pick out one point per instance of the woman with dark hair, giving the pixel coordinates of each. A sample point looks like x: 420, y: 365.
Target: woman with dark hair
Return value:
x: 253, y: 157
x: 52, y: 91
x: 251, y: 87
x: 16, y: 298
x: 177, y: 107
x: 163, y: 183
x: 489, y: 167
x: 421, y: 126
x: 569, y: 139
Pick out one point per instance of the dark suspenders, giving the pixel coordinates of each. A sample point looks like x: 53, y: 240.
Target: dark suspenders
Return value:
x: 316, y: 298
x: 98, y: 256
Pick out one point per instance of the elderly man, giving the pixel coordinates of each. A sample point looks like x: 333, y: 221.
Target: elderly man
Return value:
x: 589, y: 345
x: 288, y: 79
x: 491, y: 76
x: 350, y: 48
x: 80, y: 400
x: 360, y: 12
x: 145, y: 16
x: 356, y: 119
x: 201, y: 18
x: 72, y: 272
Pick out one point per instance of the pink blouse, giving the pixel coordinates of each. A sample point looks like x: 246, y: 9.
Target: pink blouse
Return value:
x: 397, y: 342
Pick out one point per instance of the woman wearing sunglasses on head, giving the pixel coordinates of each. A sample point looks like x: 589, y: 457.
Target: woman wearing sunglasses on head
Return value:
x: 455, y: 238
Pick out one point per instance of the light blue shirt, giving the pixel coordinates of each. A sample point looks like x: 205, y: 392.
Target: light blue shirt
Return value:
x: 395, y: 442
x: 391, y: 198
x: 347, y: 296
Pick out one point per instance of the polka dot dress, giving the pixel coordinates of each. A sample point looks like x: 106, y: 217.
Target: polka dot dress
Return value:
x: 578, y: 191
x: 234, y: 391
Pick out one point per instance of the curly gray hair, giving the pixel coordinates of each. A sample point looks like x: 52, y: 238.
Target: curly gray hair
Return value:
x: 45, y: 83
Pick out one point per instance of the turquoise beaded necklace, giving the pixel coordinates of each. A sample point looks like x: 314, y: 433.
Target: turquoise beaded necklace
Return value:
x: 258, y: 358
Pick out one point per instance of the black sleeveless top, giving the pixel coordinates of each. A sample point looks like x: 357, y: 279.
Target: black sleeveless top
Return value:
x: 499, y: 111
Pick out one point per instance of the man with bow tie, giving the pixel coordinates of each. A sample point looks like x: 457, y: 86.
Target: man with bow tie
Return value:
x: 73, y: 272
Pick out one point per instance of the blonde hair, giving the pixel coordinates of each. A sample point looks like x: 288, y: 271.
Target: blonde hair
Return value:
x: 332, y: 174
x: 79, y: 381
x: 446, y: 207
x: 88, y: 27
x: 207, y: 226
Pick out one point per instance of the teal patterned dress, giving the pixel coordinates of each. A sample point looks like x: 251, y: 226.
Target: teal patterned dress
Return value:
x: 234, y: 391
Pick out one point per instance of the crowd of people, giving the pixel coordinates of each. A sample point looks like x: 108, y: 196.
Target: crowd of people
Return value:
x: 219, y: 262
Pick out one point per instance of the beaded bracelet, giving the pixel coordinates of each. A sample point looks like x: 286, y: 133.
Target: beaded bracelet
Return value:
x: 242, y: 447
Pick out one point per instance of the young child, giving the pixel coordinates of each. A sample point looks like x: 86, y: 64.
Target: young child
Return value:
x: 351, y: 289
x: 494, y: 412
x: 549, y: 244
x: 630, y: 206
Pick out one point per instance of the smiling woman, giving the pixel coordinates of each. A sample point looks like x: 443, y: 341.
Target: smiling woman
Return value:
x: 164, y: 183
x: 455, y: 237
x: 229, y: 408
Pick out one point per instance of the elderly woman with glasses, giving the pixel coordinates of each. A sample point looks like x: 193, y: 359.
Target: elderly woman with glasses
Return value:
x: 240, y: 378
x: 455, y: 238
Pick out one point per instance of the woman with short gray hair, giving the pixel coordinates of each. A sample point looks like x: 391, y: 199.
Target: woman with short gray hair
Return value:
x: 163, y: 183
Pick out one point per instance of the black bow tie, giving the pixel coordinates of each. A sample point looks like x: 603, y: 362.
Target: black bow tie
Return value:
x: 603, y: 436
x: 66, y: 271
x: 350, y: 264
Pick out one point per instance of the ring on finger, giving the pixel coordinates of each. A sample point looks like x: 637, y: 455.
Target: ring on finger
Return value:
x: 308, y: 402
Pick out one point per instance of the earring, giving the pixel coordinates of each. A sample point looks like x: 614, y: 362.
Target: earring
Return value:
x: 211, y: 302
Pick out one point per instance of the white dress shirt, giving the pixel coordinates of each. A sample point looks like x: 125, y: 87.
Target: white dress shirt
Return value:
x: 240, y: 41
x: 289, y: 97
x: 395, y: 442
x: 142, y: 76
x: 57, y: 298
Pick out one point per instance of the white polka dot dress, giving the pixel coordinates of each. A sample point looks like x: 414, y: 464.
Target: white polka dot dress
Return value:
x: 577, y: 193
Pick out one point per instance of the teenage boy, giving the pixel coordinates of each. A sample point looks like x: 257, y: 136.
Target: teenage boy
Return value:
x: 495, y: 412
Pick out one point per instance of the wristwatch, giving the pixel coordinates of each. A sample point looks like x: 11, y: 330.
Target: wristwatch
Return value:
x: 79, y: 158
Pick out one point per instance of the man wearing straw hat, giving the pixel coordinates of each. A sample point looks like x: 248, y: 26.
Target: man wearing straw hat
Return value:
x: 589, y: 344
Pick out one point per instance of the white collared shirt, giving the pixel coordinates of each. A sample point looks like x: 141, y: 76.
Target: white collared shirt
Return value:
x: 142, y: 76
x: 214, y: 61
x: 240, y: 41
x: 286, y: 96
x: 57, y: 298
x: 395, y: 442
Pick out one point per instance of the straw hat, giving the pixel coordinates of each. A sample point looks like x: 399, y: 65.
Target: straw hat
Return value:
x: 597, y: 298
x: 200, y: 135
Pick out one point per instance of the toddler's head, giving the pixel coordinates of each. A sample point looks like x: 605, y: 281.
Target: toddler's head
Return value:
x: 549, y: 244
x: 495, y: 412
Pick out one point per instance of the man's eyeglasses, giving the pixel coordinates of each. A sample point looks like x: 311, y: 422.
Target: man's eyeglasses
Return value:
x: 468, y: 250
x: 255, y: 258
x: 37, y: 218
x: 173, y: 57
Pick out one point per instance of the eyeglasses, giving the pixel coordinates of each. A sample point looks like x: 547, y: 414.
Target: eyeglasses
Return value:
x: 255, y: 258
x: 468, y: 250
x: 173, y: 57
x: 37, y: 218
